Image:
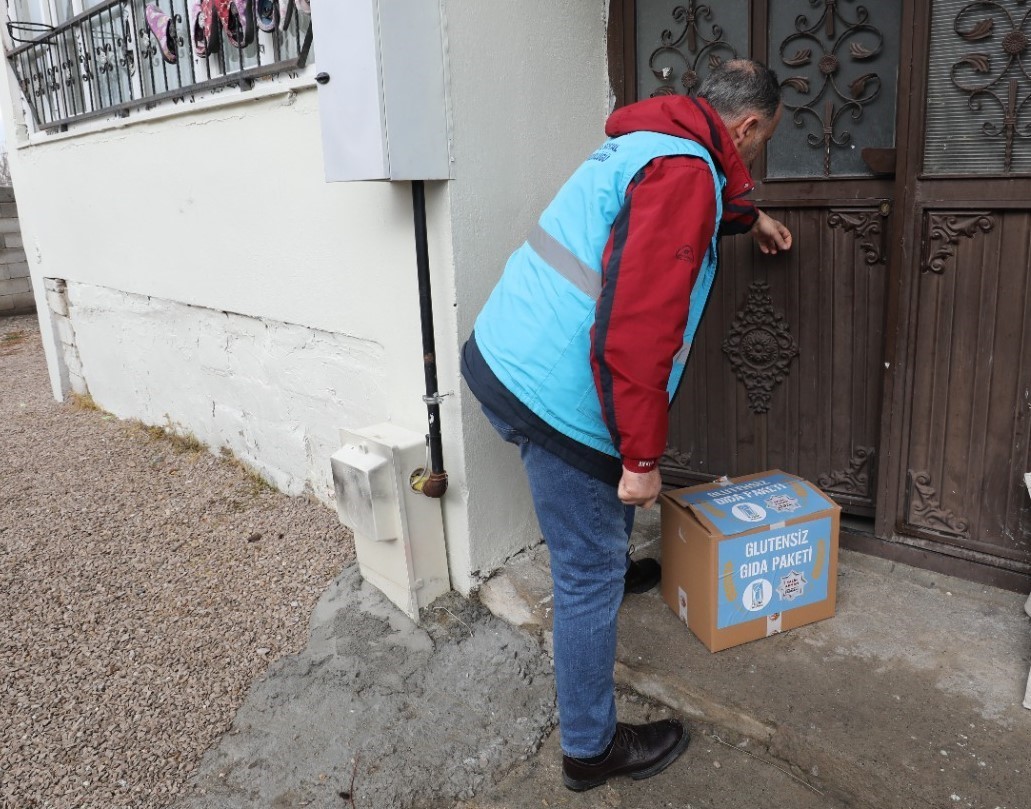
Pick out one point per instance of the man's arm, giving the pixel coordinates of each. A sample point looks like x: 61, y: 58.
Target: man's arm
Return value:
x: 651, y: 262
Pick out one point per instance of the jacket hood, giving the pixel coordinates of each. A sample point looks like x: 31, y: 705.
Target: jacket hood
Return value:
x: 686, y: 117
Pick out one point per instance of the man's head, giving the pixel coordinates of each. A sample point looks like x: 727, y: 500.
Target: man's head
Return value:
x: 746, y: 95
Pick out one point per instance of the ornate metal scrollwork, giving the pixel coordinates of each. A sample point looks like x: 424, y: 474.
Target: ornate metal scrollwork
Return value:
x: 946, y: 228
x: 858, y: 41
x: 925, y: 510
x: 869, y: 227
x: 1000, y: 84
x: 760, y: 347
x: 680, y: 57
x: 854, y: 481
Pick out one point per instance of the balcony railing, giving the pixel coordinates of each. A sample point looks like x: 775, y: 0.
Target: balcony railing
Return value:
x: 127, y: 54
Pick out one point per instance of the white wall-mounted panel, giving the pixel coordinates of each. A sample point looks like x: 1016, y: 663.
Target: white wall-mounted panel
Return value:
x: 382, y: 91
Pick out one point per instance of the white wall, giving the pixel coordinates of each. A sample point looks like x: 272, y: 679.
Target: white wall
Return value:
x: 163, y: 226
x: 159, y: 227
x: 529, y: 91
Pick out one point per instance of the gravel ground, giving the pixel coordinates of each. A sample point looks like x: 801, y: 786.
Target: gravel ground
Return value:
x: 144, y: 584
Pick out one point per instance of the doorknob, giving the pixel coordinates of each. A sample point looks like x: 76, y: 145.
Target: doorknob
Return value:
x: 880, y: 161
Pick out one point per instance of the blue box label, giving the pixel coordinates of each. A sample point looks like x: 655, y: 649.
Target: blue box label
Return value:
x: 773, y: 571
x: 745, y: 506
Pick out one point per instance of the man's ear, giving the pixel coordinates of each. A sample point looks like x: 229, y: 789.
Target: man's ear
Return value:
x: 746, y: 126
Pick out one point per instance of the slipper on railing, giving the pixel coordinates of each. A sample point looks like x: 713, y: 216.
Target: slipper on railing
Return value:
x: 237, y: 19
x: 204, y: 29
x: 163, y: 29
x: 266, y: 15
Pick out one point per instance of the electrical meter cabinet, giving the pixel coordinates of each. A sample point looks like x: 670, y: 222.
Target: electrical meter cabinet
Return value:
x: 382, y: 84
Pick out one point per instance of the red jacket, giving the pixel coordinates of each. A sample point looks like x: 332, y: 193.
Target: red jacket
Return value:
x: 649, y: 267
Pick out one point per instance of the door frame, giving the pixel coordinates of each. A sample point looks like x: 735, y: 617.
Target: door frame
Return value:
x: 886, y: 540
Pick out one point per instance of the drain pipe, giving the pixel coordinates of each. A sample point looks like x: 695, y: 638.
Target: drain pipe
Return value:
x: 433, y: 484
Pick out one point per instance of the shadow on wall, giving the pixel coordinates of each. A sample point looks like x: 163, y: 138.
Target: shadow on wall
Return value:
x: 15, y: 288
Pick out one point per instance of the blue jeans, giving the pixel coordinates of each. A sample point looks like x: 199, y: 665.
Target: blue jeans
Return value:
x: 586, y: 529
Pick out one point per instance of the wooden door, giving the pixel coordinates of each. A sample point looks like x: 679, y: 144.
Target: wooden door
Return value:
x: 788, y: 366
x: 886, y: 357
x: 961, y: 398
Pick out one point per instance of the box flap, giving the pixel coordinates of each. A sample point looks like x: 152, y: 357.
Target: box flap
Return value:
x: 745, y: 504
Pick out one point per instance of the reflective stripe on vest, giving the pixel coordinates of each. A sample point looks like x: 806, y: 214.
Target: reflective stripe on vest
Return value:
x: 581, y: 275
x: 680, y: 358
x: 559, y: 258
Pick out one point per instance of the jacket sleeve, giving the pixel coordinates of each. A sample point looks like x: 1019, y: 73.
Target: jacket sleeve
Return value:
x: 739, y: 215
x: 649, y: 267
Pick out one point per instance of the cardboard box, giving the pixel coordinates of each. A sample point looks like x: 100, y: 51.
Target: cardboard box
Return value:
x: 750, y: 557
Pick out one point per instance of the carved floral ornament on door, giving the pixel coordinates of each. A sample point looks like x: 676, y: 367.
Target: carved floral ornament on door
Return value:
x: 760, y: 347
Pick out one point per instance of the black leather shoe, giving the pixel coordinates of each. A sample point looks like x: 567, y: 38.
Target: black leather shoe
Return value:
x: 639, y: 751
x: 641, y: 576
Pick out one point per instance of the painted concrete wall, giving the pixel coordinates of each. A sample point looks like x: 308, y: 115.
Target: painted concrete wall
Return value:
x: 217, y: 283
x: 214, y: 280
x: 529, y: 90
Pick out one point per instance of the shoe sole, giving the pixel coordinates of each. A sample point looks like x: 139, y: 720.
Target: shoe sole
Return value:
x: 655, y: 769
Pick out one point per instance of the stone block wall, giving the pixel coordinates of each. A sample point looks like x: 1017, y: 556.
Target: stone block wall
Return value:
x: 15, y: 287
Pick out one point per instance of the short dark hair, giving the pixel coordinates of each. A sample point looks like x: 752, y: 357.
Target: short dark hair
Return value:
x: 741, y: 86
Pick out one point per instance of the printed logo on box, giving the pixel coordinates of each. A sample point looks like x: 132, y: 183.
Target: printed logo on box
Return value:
x: 792, y: 586
x: 782, y: 503
x: 757, y: 595
x: 749, y: 512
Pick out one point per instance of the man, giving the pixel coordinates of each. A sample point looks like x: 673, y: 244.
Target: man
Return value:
x: 579, y: 350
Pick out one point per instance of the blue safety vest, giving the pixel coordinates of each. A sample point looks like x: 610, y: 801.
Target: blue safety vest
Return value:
x: 535, y: 329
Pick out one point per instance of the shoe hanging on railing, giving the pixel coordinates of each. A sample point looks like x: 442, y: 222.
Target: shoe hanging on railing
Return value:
x: 266, y: 15
x: 163, y: 29
x: 204, y: 30
x: 237, y: 19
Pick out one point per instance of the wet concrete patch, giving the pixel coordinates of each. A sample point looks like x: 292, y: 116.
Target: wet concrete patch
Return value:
x: 379, y: 712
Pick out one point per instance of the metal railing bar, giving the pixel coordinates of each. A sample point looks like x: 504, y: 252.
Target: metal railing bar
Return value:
x: 27, y: 91
x: 71, y: 65
x: 178, y: 49
x: 145, y: 32
x: 71, y: 22
x: 158, y: 54
x: 60, y: 74
x: 189, y: 44
x: 71, y: 40
x: 115, y: 64
x: 100, y: 52
x: 223, y: 49
x: 149, y: 101
x: 48, y: 78
x: 89, y: 65
x: 59, y: 70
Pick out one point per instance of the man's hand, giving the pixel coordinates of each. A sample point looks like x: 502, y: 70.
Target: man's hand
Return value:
x: 637, y: 489
x: 770, y: 234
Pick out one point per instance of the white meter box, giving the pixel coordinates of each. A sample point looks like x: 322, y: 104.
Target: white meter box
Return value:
x: 382, y: 89
x: 398, y: 532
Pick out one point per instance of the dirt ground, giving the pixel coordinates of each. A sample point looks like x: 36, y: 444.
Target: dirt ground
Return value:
x: 145, y: 582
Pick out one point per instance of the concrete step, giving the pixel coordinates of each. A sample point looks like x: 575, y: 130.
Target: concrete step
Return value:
x: 909, y: 697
